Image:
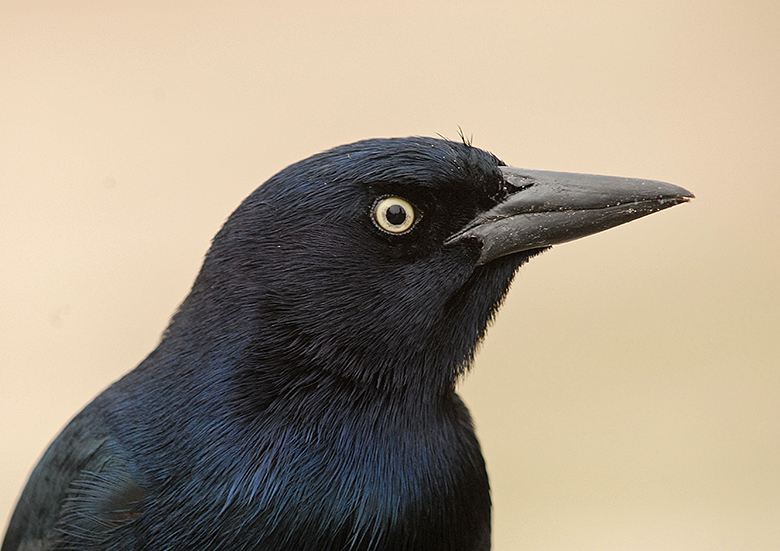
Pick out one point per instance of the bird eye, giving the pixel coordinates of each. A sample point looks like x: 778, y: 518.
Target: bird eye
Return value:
x: 393, y: 215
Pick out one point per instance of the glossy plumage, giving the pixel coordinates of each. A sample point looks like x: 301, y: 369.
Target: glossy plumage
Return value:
x: 303, y: 396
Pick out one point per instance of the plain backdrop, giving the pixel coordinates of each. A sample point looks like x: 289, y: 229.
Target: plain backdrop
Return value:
x: 627, y: 396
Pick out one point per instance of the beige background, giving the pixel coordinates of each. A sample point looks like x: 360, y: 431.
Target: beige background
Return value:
x: 627, y: 396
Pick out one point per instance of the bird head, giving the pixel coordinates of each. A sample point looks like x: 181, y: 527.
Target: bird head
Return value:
x: 383, y: 261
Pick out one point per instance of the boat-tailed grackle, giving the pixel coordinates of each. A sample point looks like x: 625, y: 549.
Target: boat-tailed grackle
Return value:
x: 303, y: 396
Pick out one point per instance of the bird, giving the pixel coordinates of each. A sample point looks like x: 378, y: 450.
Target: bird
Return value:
x: 303, y: 396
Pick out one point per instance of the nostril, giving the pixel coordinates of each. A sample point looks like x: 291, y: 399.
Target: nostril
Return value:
x: 517, y: 184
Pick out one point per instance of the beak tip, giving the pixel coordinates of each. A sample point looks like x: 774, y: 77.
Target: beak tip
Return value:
x: 684, y: 194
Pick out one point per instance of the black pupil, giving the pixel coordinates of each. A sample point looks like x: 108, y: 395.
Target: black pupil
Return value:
x: 396, y: 215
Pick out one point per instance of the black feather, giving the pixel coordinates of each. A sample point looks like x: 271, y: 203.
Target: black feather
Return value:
x: 303, y: 396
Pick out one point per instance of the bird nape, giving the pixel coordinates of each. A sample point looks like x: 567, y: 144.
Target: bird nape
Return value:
x: 303, y: 395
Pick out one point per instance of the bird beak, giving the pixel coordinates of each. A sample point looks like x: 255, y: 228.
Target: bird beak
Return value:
x: 546, y: 208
